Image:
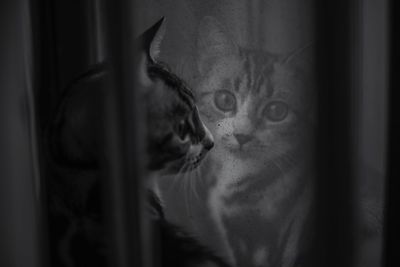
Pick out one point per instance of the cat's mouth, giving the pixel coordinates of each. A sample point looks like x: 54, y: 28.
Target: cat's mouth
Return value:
x: 194, y: 162
x: 184, y: 164
x: 240, y: 152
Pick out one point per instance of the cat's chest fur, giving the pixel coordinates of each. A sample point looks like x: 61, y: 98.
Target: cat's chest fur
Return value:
x: 258, y: 106
x: 245, y: 204
x: 240, y: 185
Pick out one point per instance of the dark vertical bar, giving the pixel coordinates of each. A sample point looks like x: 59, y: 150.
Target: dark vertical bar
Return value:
x: 124, y: 138
x: 70, y: 38
x: 392, y: 220
x: 372, y: 130
x: 95, y: 41
x: 20, y: 201
x: 98, y: 29
x: 337, y: 78
x: 47, y: 73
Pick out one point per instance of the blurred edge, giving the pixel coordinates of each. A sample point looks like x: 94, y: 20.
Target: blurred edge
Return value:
x: 21, y: 235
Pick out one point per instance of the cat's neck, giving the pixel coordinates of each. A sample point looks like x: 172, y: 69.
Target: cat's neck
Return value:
x: 292, y: 229
x: 152, y: 182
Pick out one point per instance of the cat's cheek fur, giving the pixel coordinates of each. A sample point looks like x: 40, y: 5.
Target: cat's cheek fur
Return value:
x: 223, y: 133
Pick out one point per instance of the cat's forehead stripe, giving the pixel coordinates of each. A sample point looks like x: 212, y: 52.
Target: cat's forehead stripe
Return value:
x: 259, y: 83
x: 257, y: 71
x: 252, y: 72
x: 173, y: 82
x: 237, y: 84
x: 264, y: 84
x: 188, y: 96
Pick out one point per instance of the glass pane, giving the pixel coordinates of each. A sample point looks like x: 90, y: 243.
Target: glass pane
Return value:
x: 251, y: 67
x: 268, y: 151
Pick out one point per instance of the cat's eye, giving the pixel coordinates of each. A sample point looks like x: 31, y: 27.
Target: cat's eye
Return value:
x: 276, y: 111
x: 225, y: 100
x: 182, y: 129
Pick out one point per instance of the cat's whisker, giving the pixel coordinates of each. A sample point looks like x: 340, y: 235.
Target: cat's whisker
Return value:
x: 197, y: 177
x: 278, y: 166
x: 190, y: 191
x: 287, y: 159
x: 190, y: 182
x: 194, y: 177
x: 280, y: 160
x: 200, y: 176
x: 186, y: 193
x: 280, y: 155
x: 183, y: 177
x: 290, y: 158
x: 175, y: 179
x: 177, y: 176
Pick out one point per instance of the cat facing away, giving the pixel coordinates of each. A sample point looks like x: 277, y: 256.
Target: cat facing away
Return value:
x: 258, y: 105
x: 177, y: 142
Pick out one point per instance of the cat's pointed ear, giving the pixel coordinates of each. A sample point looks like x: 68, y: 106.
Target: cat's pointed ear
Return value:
x: 143, y: 74
x: 301, y: 57
x: 213, y: 41
x: 302, y: 60
x: 151, y: 40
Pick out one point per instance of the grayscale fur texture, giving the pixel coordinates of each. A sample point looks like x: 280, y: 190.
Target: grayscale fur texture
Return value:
x: 259, y: 107
x: 177, y: 142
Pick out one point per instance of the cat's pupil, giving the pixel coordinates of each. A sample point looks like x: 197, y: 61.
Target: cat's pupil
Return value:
x: 182, y: 130
x: 276, y: 111
x: 225, y: 100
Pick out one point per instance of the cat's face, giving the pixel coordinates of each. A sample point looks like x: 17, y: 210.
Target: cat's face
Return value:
x: 177, y: 138
x: 255, y: 104
x: 250, y: 123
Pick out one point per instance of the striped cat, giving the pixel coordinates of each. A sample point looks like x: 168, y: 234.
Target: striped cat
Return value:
x: 258, y: 106
x: 177, y: 141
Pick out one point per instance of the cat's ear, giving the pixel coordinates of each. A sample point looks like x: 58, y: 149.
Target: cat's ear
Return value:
x: 303, y: 61
x: 143, y: 75
x: 151, y: 40
x: 213, y: 41
x: 302, y: 57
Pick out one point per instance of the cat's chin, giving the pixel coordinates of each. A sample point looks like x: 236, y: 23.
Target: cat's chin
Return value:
x: 183, y: 165
x: 239, y: 153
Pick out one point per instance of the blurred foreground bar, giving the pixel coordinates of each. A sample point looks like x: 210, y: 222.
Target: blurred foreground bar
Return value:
x: 125, y: 140
x: 392, y: 230
x: 337, y: 56
x: 21, y: 232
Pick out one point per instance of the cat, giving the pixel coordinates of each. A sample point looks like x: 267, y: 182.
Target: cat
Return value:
x: 259, y: 108
x: 177, y: 142
x: 258, y: 180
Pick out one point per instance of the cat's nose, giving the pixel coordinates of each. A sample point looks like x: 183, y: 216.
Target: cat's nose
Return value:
x: 208, y: 144
x: 243, y: 138
x: 208, y: 140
